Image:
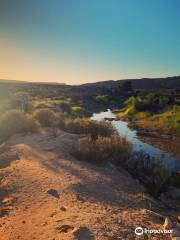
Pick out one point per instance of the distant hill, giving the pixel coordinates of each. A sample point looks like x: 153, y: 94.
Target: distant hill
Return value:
x: 6, y: 81
x: 104, y: 86
x: 141, y: 84
x: 20, y: 82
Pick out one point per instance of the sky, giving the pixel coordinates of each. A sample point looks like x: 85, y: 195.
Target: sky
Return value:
x: 79, y: 41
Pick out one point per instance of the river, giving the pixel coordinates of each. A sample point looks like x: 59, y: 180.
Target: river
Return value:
x: 168, y: 160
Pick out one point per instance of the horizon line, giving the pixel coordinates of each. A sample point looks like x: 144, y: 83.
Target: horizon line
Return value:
x: 61, y: 83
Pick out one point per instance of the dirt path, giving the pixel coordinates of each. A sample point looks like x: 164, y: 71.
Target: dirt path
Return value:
x: 45, y: 194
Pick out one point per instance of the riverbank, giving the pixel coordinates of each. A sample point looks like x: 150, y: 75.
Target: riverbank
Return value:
x: 155, y: 130
x: 164, y: 141
x: 165, y: 122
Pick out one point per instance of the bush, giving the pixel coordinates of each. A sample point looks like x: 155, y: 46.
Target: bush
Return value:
x: 151, y: 102
x: 46, y: 117
x: 21, y: 101
x: 161, y: 179
x: 65, y: 106
x: 142, y: 115
x: 78, y: 111
x: 105, y: 149
x: 150, y: 171
x: 87, y: 126
x: 14, y: 121
x: 176, y: 108
x: 103, y: 99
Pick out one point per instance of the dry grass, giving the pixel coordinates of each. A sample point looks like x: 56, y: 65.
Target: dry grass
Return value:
x: 13, y: 122
x: 46, y: 117
x: 87, y: 126
x: 105, y: 149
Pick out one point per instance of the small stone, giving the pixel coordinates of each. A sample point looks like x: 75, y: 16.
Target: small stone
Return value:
x: 52, y: 214
x: 54, y: 193
x: 63, y: 209
x: 65, y: 228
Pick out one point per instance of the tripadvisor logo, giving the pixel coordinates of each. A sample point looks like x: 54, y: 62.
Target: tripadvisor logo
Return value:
x: 140, y: 231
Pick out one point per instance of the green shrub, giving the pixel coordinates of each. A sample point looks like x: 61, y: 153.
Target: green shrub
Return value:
x: 176, y: 108
x: 69, y: 100
x: 105, y: 149
x: 13, y: 122
x: 142, y: 115
x: 131, y: 101
x: 46, y: 117
x: 102, y: 99
x: 87, y: 126
x: 78, y: 111
x: 152, y: 102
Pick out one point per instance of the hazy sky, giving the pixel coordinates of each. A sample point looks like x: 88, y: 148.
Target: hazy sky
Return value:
x: 76, y: 41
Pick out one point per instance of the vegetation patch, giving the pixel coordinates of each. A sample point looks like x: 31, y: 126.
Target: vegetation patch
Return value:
x: 155, y: 111
x: 46, y: 117
x: 78, y: 111
x: 103, y: 99
x: 14, y: 121
x: 87, y: 126
x: 103, y: 150
x: 150, y: 171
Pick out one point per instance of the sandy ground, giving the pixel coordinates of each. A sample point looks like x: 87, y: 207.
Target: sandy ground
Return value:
x: 45, y: 194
